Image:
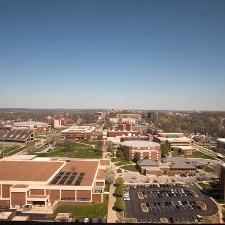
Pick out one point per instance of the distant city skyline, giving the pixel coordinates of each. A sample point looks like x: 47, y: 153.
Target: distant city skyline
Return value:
x: 130, y: 54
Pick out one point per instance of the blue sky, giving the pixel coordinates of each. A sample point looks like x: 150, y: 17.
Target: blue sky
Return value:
x: 112, y: 54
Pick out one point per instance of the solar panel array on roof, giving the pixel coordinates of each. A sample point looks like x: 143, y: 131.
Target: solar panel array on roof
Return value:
x: 79, y: 179
x: 16, y: 135
x: 68, y: 178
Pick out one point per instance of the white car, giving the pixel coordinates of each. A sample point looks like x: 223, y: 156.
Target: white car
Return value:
x: 86, y: 220
x: 126, y: 199
x: 179, y: 202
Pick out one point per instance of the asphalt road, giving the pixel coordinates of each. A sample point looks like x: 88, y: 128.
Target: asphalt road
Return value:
x: 133, y: 209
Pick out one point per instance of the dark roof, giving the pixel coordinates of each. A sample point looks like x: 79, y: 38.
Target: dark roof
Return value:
x: 147, y: 162
x: 179, y: 163
x: 17, y: 135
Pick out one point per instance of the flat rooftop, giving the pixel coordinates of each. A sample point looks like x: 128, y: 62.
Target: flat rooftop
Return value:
x: 79, y: 129
x: 139, y: 144
x: 77, y: 173
x: 30, y: 123
x: 221, y: 140
x: 19, y: 157
x: 27, y: 170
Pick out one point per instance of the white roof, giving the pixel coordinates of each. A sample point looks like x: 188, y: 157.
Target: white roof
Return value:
x: 45, y: 159
x: 20, y: 218
x: 19, y: 157
x: 82, y: 129
x: 221, y: 140
x: 5, y: 215
x: 139, y: 143
x: 30, y: 123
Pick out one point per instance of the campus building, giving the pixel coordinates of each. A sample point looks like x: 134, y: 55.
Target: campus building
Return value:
x: 176, y: 141
x: 16, y: 135
x: 31, y: 125
x: 144, y: 149
x: 78, y: 132
x: 115, y: 135
x: 132, y: 118
x: 167, y: 165
x: 38, y: 186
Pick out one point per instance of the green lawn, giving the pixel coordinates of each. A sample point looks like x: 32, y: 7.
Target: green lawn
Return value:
x: 91, y: 211
x: 93, y: 142
x: 9, y: 150
x: 107, y: 187
x: 209, y: 185
x: 73, y: 150
x: 119, y: 163
x: 197, y: 154
x: 208, y: 169
x: 130, y: 167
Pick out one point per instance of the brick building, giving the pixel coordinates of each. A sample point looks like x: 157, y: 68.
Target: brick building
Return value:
x: 145, y: 149
x: 39, y: 185
x: 78, y: 132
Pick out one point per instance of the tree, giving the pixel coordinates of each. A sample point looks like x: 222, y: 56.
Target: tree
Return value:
x: 136, y: 157
x: 119, y: 205
x: 119, y: 182
x: 165, y: 148
x: 119, y: 153
x: 119, y: 191
x: 109, y: 176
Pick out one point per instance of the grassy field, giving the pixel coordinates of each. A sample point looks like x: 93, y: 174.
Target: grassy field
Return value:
x: 130, y: 167
x: 10, y: 150
x: 209, y: 185
x: 93, y: 142
x: 73, y: 150
x: 91, y: 211
x: 197, y: 154
x: 119, y: 163
x: 107, y: 187
x: 208, y: 169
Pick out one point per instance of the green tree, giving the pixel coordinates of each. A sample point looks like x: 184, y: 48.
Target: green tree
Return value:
x: 109, y: 176
x: 119, y: 191
x: 165, y: 148
x: 119, y: 182
x: 119, y: 205
x: 136, y: 157
x: 120, y: 155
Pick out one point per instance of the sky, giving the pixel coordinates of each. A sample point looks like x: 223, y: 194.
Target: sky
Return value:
x: 128, y: 54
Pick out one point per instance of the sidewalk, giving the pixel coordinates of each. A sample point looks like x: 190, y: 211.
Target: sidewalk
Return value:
x: 111, y: 218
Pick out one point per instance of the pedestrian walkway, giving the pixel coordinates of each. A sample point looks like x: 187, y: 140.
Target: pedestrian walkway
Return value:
x: 111, y: 218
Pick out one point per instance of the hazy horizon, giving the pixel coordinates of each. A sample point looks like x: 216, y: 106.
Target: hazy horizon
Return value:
x: 160, y: 55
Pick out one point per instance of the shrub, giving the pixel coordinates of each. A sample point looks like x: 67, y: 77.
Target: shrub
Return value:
x: 109, y: 176
x: 119, y: 181
x: 119, y: 205
x: 119, y: 191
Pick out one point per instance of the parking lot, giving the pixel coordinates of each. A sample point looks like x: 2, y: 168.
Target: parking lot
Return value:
x: 175, y: 202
